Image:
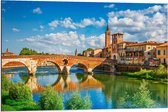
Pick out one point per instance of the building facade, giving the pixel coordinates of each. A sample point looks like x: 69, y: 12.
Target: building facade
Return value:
x: 122, y: 50
x: 97, y: 52
x: 7, y: 53
x: 139, y: 53
x: 116, y: 39
x: 162, y: 53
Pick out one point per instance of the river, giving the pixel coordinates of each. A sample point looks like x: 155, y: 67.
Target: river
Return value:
x: 104, y: 89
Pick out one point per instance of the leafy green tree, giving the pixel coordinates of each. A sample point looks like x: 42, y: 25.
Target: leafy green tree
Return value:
x: 141, y: 99
x: 20, y: 92
x: 51, y: 100
x: 76, y: 102
x: 6, y: 83
x: 89, y: 49
x: 27, y: 51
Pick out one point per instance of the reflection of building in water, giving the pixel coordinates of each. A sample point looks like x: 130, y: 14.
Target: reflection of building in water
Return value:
x: 65, y: 84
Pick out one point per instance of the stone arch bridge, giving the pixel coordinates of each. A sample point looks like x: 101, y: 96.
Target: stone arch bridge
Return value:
x: 63, y: 62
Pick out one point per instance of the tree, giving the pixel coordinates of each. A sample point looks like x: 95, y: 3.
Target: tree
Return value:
x: 51, y: 100
x: 6, y: 83
x: 76, y: 102
x: 141, y: 99
x: 20, y: 92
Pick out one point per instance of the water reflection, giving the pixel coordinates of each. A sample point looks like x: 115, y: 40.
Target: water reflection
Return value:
x: 64, y: 83
x: 104, y: 89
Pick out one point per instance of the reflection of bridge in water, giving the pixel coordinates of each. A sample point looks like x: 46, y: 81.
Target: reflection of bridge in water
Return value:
x: 66, y: 84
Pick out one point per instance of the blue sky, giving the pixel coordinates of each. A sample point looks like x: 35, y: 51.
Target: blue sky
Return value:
x: 61, y: 27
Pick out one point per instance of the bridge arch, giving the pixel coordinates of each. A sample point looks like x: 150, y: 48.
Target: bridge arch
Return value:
x: 102, y: 68
x: 14, y: 63
x: 80, y: 65
x: 45, y: 62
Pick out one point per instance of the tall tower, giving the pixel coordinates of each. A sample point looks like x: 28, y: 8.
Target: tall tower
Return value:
x: 116, y: 39
x: 107, y: 36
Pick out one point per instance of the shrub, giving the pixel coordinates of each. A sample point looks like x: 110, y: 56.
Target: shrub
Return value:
x: 20, y: 92
x: 160, y: 71
x: 22, y: 105
x: 6, y: 83
x: 140, y: 99
x: 76, y: 102
x: 51, y: 100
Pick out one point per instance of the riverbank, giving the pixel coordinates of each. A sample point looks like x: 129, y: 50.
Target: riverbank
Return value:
x: 160, y: 74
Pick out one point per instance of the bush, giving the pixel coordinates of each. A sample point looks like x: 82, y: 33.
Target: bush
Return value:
x: 6, y: 83
x: 160, y: 71
x: 76, y: 102
x: 140, y: 99
x: 51, y: 100
x: 20, y: 92
x: 22, y: 105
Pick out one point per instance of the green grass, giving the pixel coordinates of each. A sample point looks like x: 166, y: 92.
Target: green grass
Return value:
x: 158, y: 74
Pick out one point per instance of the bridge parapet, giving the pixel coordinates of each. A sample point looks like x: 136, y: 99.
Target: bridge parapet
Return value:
x: 63, y: 62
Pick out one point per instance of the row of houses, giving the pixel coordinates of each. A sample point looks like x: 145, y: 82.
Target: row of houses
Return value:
x: 148, y: 52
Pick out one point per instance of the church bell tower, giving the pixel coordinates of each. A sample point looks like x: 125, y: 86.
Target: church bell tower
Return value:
x: 107, y: 37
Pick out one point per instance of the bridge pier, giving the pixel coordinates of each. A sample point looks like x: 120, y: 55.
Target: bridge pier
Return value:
x: 90, y: 71
x: 66, y: 70
x: 32, y: 70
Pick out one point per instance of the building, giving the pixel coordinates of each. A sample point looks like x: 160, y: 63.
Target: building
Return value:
x: 162, y: 53
x: 116, y: 39
x: 122, y: 50
x: 97, y: 52
x: 87, y: 53
x: 139, y: 53
x: 107, y: 50
x: 7, y: 53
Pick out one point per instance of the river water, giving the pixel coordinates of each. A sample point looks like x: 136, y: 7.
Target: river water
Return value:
x: 104, y: 89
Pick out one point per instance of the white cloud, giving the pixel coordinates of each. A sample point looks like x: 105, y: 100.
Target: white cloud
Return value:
x: 37, y: 10
x: 15, y: 30
x: 140, y: 25
x: 109, y: 6
x: 53, y: 24
x: 63, y: 42
x: 69, y: 23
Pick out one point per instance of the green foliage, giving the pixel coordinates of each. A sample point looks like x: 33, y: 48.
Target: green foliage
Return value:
x: 22, y: 105
x: 156, y: 74
x: 27, y: 51
x: 140, y: 99
x: 6, y: 83
x: 12, y: 105
x: 51, y: 100
x: 5, y: 95
x: 160, y: 71
x: 7, y: 108
x: 89, y: 49
x: 76, y: 102
x: 20, y: 92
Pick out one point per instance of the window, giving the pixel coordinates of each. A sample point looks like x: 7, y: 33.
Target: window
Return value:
x: 148, y: 53
x: 164, y: 52
x: 158, y: 52
x: 164, y: 60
